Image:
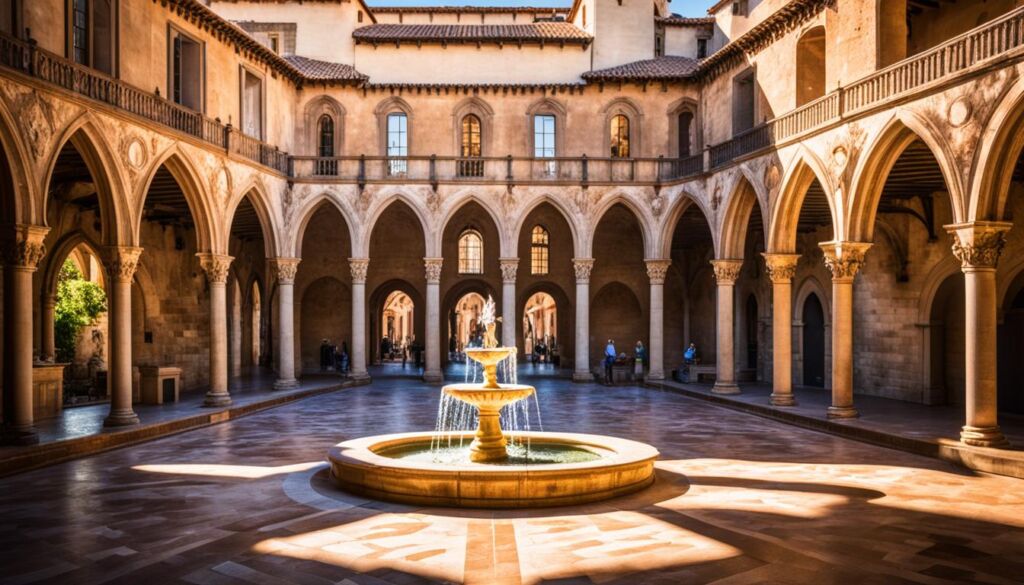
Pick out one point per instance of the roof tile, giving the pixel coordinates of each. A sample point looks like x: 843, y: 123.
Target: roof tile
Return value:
x: 532, y: 32
x: 316, y: 70
x: 668, y: 68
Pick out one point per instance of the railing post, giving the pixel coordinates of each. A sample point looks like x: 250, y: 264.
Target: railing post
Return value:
x: 31, y: 54
x: 584, y: 172
x: 433, y: 169
x: 706, y: 162
x: 660, y: 169
x: 227, y: 138
x: 362, y: 171
x: 508, y: 168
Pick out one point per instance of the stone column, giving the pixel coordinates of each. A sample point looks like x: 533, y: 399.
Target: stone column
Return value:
x: 22, y: 247
x: 726, y: 273
x: 781, y: 269
x: 978, y: 246
x: 432, y: 371
x: 843, y: 259
x: 583, y: 267
x: 236, y: 336
x: 656, y: 271
x: 216, y: 268
x: 358, y: 267
x: 48, y: 345
x: 284, y: 269
x: 121, y: 265
x: 509, y: 266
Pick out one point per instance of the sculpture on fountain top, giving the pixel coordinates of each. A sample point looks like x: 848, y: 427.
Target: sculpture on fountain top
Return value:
x: 490, y: 323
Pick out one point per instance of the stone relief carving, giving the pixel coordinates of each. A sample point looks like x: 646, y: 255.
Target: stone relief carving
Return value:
x: 215, y: 266
x: 727, y: 271
x: 772, y: 177
x: 982, y: 251
x: 657, y: 270
x: 285, y: 269
x: 38, y: 116
x: 844, y: 151
x: 122, y: 262
x: 583, y: 267
x: 432, y: 267
x: 509, y: 267
x: 844, y: 260
x: 358, y: 267
x: 220, y: 182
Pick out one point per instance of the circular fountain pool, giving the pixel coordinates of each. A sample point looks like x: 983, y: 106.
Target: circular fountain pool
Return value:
x: 556, y: 469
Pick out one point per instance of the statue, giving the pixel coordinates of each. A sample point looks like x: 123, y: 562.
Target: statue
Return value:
x: 490, y: 322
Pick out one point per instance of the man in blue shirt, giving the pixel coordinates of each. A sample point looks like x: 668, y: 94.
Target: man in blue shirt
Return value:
x: 609, y: 361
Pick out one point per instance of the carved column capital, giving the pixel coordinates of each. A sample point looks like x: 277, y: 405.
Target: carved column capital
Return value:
x: 978, y: 245
x: 432, y: 267
x: 22, y: 246
x: 122, y: 262
x: 583, y: 268
x: 284, y: 269
x: 215, y: 266
x: 509, y: 267
x: 844, y: 259
x: 657, y: 269
x: 358, y: 268
x: 727, y: 270
x: 781, y: 267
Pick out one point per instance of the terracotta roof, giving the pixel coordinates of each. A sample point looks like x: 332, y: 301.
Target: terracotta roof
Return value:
x: 666, y: 68
x: 537, y: 32
x: 315, y: 70
x: 684, y: 21
x: 469, y: 9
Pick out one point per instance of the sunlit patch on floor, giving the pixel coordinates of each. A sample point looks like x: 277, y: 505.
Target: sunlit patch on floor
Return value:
x: 223, y: 470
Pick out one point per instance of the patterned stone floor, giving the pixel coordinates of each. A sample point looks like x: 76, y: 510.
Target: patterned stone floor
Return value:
x: 739, y: 499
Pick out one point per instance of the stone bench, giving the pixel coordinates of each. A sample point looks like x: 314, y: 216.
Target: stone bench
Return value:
x: 692, y: 373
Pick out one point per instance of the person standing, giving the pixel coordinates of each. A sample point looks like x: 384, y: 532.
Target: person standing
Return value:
x: 609, y: 361
x: 641, y: 358
x: 325, y: 354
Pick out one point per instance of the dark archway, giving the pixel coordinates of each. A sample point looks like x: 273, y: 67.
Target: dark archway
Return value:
x: 619, y: 276
x: 377, y: 325
x: 813, y: 348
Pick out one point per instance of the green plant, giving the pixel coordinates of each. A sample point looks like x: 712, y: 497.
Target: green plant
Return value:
x: 79, y: 302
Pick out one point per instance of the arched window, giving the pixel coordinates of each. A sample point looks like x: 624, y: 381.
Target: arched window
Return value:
x: 471, y: 147
x: 471, y: 253
x: 325, y: 148
x: 619, y: 136
x: 810, y: 66
x: 539, y: 250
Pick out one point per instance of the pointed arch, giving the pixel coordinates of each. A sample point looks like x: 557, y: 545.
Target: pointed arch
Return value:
x: 84, y: 135
x: 309, y: 210
x: 324, y: 105
x: 785, y: 215
x: 560, y: 208
x: 736, y: 219
x: 996, y: 157
x: 255, y: 191
x: 473, y: 106
x: 54, y: 258
x: 641, y: 219
x: 808, y: 286
x: 902, y: 129
x: 184, y: 172
x: 400, y: 196
x: 23, y: 204
x: 679, y: 207
x: 462, y: 201
x: 676, y: 113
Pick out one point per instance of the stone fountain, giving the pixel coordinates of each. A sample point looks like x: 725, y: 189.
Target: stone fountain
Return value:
x: 549, y: 469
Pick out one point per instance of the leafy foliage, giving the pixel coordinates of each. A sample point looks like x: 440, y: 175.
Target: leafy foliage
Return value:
x: 79, y: 302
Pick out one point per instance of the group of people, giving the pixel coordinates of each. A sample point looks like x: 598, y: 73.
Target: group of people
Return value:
x: 392, y: 351
x: 334, y: 358
x: 612, y: 357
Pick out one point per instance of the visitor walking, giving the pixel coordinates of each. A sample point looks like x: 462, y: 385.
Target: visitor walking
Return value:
x: 343, y: 358
x: 609, y: 360
x: 325, y: 355
x: 640, y: 354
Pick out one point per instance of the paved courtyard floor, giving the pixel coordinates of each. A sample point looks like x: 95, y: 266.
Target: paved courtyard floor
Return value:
x: 739, y: 499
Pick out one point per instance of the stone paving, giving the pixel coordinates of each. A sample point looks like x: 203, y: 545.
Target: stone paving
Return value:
x: 739, y: 499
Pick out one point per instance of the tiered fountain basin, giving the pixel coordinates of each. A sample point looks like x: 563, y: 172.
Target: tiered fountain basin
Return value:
x: 399, y: 468
x: 490, y: 468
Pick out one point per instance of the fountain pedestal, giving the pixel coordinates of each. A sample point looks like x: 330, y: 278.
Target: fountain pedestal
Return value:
x: 489, y: 444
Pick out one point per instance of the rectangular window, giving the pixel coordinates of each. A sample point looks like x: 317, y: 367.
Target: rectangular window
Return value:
x: 544, y: 142
x: 252, y: 104
x: 80, y: 31
x: 398, y: 144
x: 743, y: 93
x: 702, y: 48
x: 10, y: 17
x: 186, y: 74
x: 275, y: 43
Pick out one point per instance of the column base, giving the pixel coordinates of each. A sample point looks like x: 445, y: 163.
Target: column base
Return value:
x: 782, y: 399
x: 983, y: 437
x: 433, y: 377
x: 725, y: 388
x: 214, y: 399
x: 655, y: 376
x: 359, y: 376
x: 842, y: 412
x: 582, y: 377
x: 286, y: 384
x: 19, y: 436
x: 121, y: 419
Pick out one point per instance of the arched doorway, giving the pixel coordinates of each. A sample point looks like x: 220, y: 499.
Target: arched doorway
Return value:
x: 813, y: 347
x: 249, y: 244
x: 464, y: 329
x: 397, y: 319
x: 1011, y: 348
x: 540, y: 328
x: 620, y: 318
x: 946, y: 347
x: 751, y: 326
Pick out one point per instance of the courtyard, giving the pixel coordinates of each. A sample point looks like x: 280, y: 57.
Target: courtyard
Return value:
x: 737, y: 499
